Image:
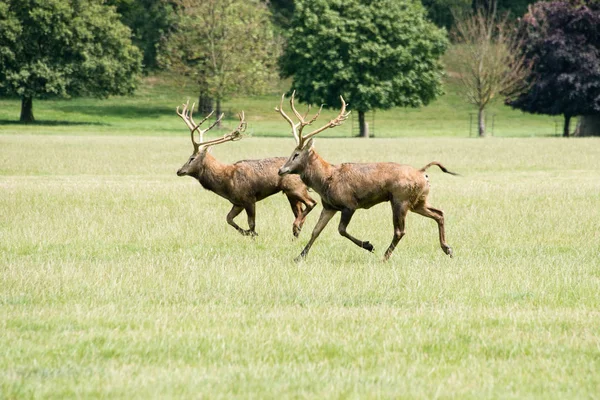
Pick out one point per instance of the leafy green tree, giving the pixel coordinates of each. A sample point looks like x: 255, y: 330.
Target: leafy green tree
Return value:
x: 562, y: 44
x: 378, y: 54
x: 63, y: 48
x: 149, y: 21
x: 225, y: 46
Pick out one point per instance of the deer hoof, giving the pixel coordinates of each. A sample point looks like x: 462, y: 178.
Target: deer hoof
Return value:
x: 448, y: 250
x: 296, y: 231
x: 367, y: 246
x: 299, y: 259
x: 250, y: 233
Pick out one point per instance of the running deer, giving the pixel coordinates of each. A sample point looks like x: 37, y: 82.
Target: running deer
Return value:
x: 245, y: 182
x: 349, y: 186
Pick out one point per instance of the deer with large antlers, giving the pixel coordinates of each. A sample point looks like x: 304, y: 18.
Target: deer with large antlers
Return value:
x: 245, y: 182
x: 348, y: 187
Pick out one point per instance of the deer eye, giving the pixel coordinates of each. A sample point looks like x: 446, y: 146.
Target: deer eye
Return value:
x: 295, y: 155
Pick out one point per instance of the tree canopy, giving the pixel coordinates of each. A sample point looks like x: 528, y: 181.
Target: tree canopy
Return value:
x: 562, y: 43
x: 62, y: 48
x: 149, y: 21
x: 226, y: 46
x: 377, y: 54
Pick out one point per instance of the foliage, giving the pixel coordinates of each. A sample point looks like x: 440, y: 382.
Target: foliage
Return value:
x: 226, y: 46
x: 377, y: 54
x: 58, y: 48
x: 441, y: 12
x: 149, y: 21
x: 487, y: 60
x: 562, y: 43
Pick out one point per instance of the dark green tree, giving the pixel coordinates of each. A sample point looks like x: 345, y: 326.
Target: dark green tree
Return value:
x: 149, y: 21
x: 63, y: 48
x: 562, y: 45
x: 378, y: 54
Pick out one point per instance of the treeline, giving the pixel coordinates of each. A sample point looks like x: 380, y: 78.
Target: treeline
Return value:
x: 542, y: 57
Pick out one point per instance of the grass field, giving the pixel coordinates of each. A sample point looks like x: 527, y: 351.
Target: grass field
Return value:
x: 120, y: 280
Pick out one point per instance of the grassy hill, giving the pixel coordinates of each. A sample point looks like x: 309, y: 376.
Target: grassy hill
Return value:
x: 151, y: 112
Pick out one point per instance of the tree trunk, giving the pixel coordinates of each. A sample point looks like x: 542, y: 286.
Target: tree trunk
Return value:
x: 362, y: 125
x: 27, y: 110
x: 566, y: 125
x: 218, y: 111
x: 588, y: 125
x: 481, y: 122
x: 205, y: 104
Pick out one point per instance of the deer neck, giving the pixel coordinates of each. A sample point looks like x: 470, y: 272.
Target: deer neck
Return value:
x: 317, y: 172
x: 212, y: 173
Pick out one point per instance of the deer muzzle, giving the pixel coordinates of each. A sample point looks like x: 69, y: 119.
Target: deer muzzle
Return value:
x: 284, y: 170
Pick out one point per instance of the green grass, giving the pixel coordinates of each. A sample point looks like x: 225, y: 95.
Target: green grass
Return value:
x: 152, y: 112
x: 119, y: 279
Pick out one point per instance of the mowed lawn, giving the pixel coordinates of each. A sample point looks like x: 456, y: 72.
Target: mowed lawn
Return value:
x: 119, y: 279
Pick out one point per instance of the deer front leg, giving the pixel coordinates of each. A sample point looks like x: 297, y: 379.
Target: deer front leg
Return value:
x: 234, y: 212
x: 325, y: 217
x: 344, y: 221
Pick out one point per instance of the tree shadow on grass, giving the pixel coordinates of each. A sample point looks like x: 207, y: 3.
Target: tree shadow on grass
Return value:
x: 116, y: 110
x: 49, y: 123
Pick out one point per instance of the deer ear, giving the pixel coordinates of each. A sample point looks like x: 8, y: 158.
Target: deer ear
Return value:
x: 310, y: 144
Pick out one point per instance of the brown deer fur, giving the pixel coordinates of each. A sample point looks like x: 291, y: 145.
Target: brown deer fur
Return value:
x: 245, y: 182
x: 348, y: 187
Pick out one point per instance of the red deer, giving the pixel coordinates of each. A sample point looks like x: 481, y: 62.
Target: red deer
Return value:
x: 245, y: 182
x: 349, y: 186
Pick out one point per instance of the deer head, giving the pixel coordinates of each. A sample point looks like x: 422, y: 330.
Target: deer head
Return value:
x: 299, y: 158
x: 200, y: 148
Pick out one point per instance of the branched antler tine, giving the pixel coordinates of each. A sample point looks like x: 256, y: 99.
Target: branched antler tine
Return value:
x: 205, y: 118
x: 213, y: 125
x: 298, y: 115
x: 234, y: 135
x: 243, y: 124
x: 337, y: 121
x: 288, y: 119
x: 305, y: 115
x: 316, y: 115
x: 185, y: 117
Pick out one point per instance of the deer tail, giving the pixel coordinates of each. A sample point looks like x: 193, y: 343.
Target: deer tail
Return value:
x: 439, y: 165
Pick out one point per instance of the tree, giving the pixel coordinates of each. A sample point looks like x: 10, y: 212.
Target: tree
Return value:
x: 562, y: 43
x: 441, y: 12
x: 487, y: 60
x: 149, y: 21
x: 378, y: 54
x: 63, y: 48
x: 226, y: 46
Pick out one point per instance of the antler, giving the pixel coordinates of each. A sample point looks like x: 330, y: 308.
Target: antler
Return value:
x: 232, y: 136
x: 299, y: 126
x: 187, y: 117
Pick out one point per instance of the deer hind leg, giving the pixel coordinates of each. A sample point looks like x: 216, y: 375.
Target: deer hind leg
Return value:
x: 344, y: 221
x: 296, y: 200
x: 324, y: 219
x: 438, y: 215
x: 399, y: 211
x: 234, y: 212
x: 251, y: 213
